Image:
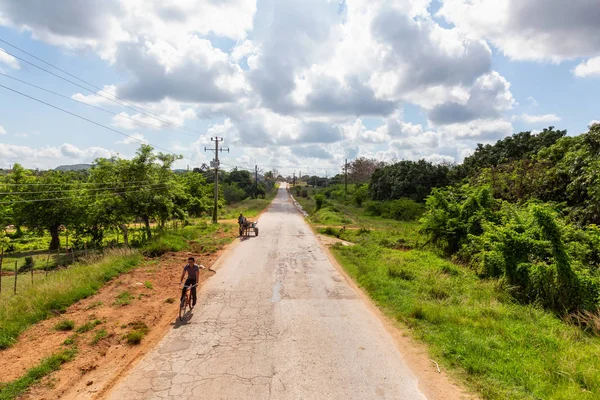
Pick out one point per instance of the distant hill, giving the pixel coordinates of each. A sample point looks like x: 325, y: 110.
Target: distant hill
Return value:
x: 74, y: 167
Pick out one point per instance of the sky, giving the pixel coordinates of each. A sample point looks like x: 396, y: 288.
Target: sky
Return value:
x: 296, y: 85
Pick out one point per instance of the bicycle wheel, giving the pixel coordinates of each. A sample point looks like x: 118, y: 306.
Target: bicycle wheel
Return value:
x: 182, y: 309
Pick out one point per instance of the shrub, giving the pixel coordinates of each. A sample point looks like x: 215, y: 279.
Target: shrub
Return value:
x: 135, y: 337
x: 360, y: 195
x: 65, y: 325
x: 402, y: 210
x: 124, y: 298
x: 232, y: 193
x: 374, y: 208
x: 88, y: 326
x: 319, y: 200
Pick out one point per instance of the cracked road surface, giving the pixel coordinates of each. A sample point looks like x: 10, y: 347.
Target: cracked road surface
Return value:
x: 277, y: 321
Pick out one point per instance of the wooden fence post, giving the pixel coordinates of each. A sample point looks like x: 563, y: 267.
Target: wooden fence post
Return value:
x: 47, y: 261
x: 16, y: 276
x: 32, y: 275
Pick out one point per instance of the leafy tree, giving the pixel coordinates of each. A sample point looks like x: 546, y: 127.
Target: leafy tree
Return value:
x: 143, y: 187
x: 523, y: 145
x: 37, y: 212
x: 408, y: 179
x: 242, y: 179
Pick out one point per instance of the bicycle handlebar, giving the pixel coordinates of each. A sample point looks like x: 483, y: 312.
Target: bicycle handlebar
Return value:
x: 188, y: 287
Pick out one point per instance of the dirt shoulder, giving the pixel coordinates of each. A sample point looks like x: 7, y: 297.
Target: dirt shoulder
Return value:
x: 150, y: 293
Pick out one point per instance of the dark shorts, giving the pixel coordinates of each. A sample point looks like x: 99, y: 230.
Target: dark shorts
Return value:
x: 190, y: 282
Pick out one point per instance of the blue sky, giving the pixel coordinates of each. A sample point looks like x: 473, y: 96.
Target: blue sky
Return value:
x: 296, y: 85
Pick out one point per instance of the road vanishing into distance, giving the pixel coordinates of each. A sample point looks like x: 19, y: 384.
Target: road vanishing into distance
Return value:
x: 277, y: 321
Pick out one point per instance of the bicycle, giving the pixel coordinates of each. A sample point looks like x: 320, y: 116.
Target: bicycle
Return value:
x: 186, y: 301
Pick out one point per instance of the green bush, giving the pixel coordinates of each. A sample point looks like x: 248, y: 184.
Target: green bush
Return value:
x: 543, y: 259
x: 361, y: 194
x: 319, y: 200
x: 232, y: 193
x: 402, y: 210
x: 65, y: 325
x: 374, y: 208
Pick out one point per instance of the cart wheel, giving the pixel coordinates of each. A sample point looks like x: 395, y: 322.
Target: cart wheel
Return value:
x: 255, y: 231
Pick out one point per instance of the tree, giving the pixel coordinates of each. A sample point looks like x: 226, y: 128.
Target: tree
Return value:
x: 523, y: 145
x: 42, y: 209
x: 145, y: 186
x: 409, y: 179
x: 361, y: 169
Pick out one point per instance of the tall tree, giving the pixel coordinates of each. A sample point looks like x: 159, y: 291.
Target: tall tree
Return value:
x: 361, y: 169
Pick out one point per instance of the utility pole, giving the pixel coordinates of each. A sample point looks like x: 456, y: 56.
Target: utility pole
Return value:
x: 294, y: 180
x: 215, y: 164
x: 346, y: 176
x: 256, y: 180
x: 326, y: 180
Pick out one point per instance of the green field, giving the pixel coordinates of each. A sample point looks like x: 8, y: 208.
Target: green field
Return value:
x: 476, y: 330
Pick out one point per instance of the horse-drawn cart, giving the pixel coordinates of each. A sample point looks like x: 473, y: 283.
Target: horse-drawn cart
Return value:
x: 248, y: 226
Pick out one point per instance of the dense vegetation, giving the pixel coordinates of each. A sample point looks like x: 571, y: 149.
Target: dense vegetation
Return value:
x: 112, y: 195
x: 524, y: 210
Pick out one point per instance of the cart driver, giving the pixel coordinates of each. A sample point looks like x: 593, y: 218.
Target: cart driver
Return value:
x: 241, y: 219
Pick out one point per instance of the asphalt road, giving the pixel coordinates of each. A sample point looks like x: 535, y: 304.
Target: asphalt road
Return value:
x: 277, y: 321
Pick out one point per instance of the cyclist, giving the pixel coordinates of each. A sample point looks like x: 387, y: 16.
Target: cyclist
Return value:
x: 193, y: 274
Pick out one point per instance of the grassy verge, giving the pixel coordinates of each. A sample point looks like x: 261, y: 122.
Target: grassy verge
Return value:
x: 16, y: 388
x: 473, y: 328
x: 58, y: 291
x: 249, y: 207
x: 200, y: 238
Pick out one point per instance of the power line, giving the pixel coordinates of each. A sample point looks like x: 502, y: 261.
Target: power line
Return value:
x: 89, y: 120
x: 89, y: 190
x: 69, y: 184
x: 105, y: 196
x: 147, y: 113
x: 93, y: 106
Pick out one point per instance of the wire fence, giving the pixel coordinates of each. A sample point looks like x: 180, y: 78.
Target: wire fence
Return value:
x: 22, y: 270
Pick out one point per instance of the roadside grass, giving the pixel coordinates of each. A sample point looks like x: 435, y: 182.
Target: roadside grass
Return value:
x: 65, y: 325
x: 135, y: 336
x: 98, y: 336
x: 473, y: 328
x: 403, y: 237
x: 200, y: 238
x: 124, y: 298
x: 12, y: 390
x: 88, y: 326
x: 343, y: 213
x: 58, y: 291
x: 249, y: 207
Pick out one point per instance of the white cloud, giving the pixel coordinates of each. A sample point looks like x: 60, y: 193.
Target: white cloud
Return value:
x: 135, y: 139
x: 594, y: 122
x: 167, y: 114
x: 532, y: 101
x: 49, y: 156
x: 106, y: 96
x: 9, y: 60
x: 103, y: 25
x: 553, y: 30
x: 537, y: 119
x: 488, y: 98
x: 2, y: 130
x: 589, y: 68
